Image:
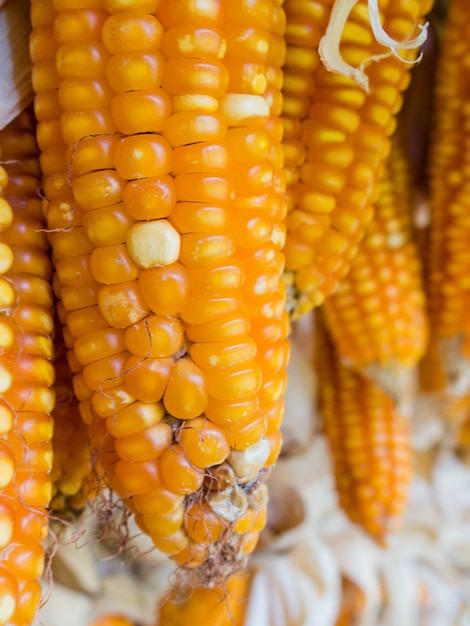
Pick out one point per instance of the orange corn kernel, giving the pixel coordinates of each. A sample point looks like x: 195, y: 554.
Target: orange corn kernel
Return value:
x: 134, y: 418
x: 112, y: 264
x: 203, y: 443
x: 202, y: 524
x: 185, y: 395
x: 196, y: 217
x: 200, y: 158
x: 203, y: 250
x: 234, y: 383
x: 232, y: 413
x: 178, y: 474
x: 245, y: 435
x: 193, y: 41
x: 165, y: 289
x: 132, y: 71
x: 216, y: 279
x: 155, y: 336
x: 164, y: 524
x: 142, y: 111
x: 150, y: 198
x: 146, y: 444
x: 221, y: 329
x: 110, y: 401
x: 122, y: 305
x: 136, y: 477
x: 131, y: 31
x: 107, y: 226
x: 105, y: 373
x: 161, y: 501
x: 147, y: 378
x: 142, y: 156
x: 222, y: 354
x: 190, y: 127
x: 99, y: 344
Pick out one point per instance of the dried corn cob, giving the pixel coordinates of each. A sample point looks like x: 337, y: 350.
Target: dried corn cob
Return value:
x: 72, y: 473
x: 448, y: 262
x: 345, y: 133
x: 168, y: 219
x: 224, y: 606
x: 27, y: 375
x: 377, y: 317
x: 369, y: 443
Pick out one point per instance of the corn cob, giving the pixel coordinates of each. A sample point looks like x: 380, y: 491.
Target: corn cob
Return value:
x: 224, y: 606
x: 27, y: 375
x: 72, y: 473
x: 345, y: 134
x: 448, y: 261
x: 164, y: 192
x: 369, y: 443
x: 377, y: 317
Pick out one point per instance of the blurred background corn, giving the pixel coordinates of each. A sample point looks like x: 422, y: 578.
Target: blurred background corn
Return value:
x: 26, y: 375
x: 345, y: 135
x: 73, y: 476
x: 448, y: 256
x: 368, y: 439
x: 160, y: 131
x: 378, y: 316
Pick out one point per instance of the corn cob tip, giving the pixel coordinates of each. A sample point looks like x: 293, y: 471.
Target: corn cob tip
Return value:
x: 399, y: 382
x: 330, y: 43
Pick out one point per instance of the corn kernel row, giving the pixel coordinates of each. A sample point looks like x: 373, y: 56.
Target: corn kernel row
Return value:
x: 448, y: 259
x: 345, y: 133
x: 378, y: 317
x: 26, y: 375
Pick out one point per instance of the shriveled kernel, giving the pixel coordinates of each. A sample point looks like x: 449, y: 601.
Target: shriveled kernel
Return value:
x: 248, y: 463
x: 152, y: 244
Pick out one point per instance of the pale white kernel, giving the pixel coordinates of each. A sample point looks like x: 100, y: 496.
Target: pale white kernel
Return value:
x: 249, y: 462
x: 153, y: 244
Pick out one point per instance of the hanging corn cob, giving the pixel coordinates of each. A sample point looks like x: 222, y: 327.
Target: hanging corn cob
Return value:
x: 377, y: 317
x: 368, y: 439
x: 448, y: 259
x: 27, y: 374
x: 164, y: 196
x: 344, y: 128
x: 72, y: 476
x: 224, y: 606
